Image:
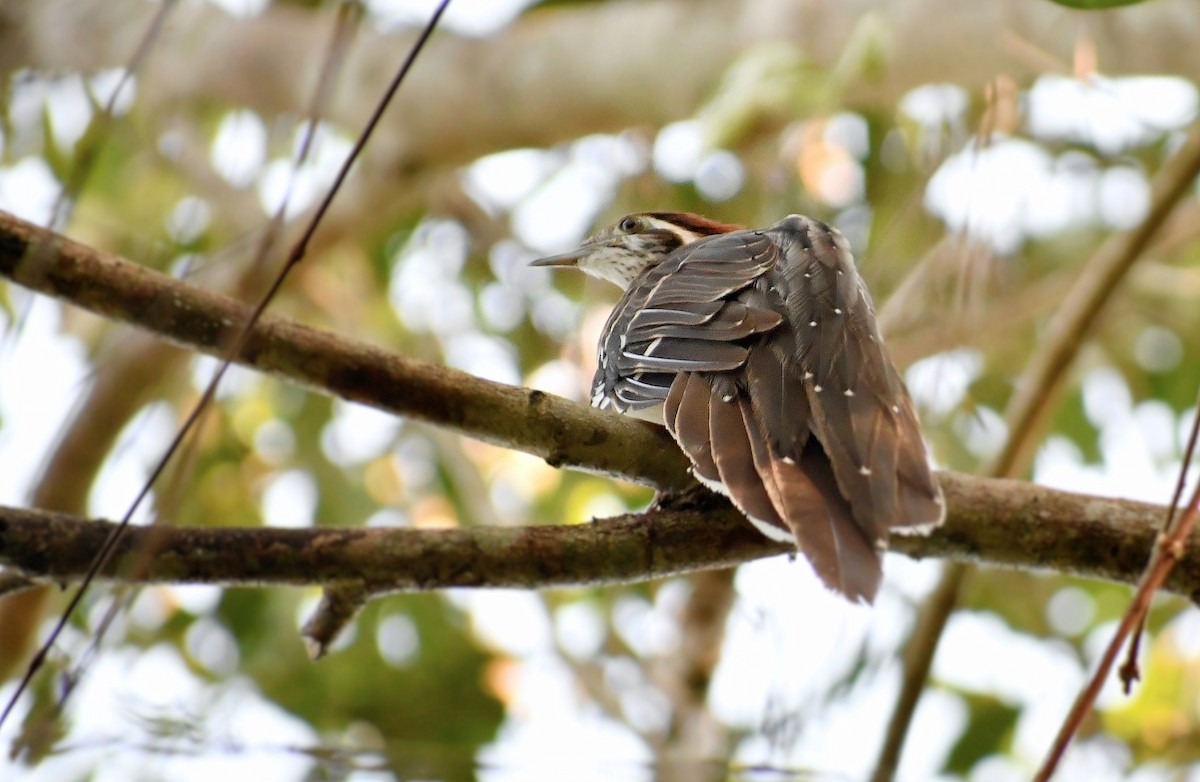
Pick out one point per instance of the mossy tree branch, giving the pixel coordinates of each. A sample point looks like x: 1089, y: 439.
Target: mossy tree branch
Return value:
x: 998, y: 522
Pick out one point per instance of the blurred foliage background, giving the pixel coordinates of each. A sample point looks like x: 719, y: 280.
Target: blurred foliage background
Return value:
x: 975, y: 154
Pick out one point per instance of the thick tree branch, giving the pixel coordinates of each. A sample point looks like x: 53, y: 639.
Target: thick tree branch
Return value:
x: 998, y: 522
x: 555, y: 429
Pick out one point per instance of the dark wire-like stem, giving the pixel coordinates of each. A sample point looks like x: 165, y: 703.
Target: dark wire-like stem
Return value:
x: 348, y: 15
x: 1129, y: 670
x: 1167, y: 551
x: 104, y: 555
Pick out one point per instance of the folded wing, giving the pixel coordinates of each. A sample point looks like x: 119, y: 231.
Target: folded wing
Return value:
x: 763, y: 349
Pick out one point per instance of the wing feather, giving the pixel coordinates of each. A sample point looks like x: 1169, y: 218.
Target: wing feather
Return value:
x: 805, y: 496
x: 860, y: 410
x: 733, y: 451
x: 687, y: 416
x: 683, y: 315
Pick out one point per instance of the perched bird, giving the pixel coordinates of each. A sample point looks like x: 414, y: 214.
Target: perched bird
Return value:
x: 758, y: 350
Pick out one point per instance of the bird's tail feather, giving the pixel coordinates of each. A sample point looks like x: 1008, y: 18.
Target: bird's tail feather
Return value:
x: 786, y: 499
x: 805, y: 494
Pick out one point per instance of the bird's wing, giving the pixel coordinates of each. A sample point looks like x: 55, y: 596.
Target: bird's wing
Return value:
x: 700, y: 332
x: 860, y: 410
x: 682, y: 316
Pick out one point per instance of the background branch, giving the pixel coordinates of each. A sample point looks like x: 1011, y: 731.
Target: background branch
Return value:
x: 557, y: 76
x: 554, y: 76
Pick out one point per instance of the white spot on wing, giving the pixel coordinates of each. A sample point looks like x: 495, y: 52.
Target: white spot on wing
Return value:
x: 864, y: 470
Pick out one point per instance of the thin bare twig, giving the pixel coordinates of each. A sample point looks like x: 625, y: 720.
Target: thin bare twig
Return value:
x: 1129, y: 670
x: 1168, y: 550
x: 1038, y: 386
x: 93, y: 135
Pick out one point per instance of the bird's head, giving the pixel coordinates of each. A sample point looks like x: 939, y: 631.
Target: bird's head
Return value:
x: 638, y: 241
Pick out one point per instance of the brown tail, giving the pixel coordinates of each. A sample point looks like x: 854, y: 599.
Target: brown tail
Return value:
x: 786, y: 499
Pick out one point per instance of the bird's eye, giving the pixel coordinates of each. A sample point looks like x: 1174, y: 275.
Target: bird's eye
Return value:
x: 629, y: 225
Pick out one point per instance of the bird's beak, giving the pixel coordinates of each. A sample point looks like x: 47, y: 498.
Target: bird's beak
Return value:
x: 571, y: 258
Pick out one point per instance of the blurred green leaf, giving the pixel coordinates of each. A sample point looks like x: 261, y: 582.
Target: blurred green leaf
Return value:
x: 989, y: 730
x: 767, y: 84
x: 438, y: 699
